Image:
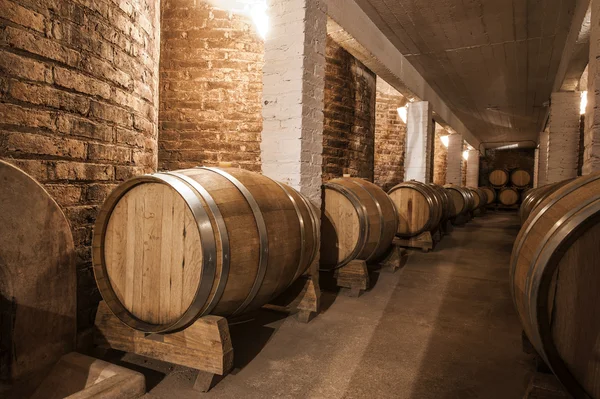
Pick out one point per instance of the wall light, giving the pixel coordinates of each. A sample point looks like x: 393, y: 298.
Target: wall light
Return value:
x: 583, y: 103
x: 466, y: 155
x: 445, y: 140
x: 403, y: 113
x: 259, y: 16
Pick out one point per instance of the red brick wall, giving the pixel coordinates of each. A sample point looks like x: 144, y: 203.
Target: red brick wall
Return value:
x: 349, y: 123
x: 440, y: 158
x: 390, y: 136
x: 78, y: 82
x: 211, y: 87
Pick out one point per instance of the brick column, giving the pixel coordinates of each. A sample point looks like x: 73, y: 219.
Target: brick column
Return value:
x: 417, y: 163
x: 591, y: 154
x: 455, y: 148
x: 473, y: 169
x: 536, y: 167
x: 293, y: 85
x: 543, y: 159
x: 563, y: 137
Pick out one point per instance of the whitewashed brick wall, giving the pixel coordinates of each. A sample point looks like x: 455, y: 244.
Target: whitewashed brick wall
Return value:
x: 417, y: 163
x: 591, y: 154
x: 293, y: 86
x: 563, y: 137
x: 536, y: 168
x: 455, y: 148
x: 473, y: 169
x: 543, y: 159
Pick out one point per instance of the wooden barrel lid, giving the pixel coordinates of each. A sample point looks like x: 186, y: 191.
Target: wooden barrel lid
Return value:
x: 498, y: 177
x: 520, y: 178
x: 153, y: 253
x: 342, y: 225
x: 37, y: 274
x: 413, y: 206
x: 508, y: 196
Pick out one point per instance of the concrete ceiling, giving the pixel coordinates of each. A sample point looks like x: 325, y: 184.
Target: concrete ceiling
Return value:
x: 492, y: 61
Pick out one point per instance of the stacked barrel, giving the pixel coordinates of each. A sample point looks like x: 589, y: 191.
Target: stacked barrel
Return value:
x: 554, y: 277
x: 507, y: 188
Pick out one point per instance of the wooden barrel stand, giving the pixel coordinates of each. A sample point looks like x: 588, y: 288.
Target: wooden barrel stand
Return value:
x: 176, y: 254
x: 359, y: 223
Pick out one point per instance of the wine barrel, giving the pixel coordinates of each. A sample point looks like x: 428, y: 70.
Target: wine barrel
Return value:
x: 358, y: 222
x: 447, y: 204
x: 480, y: 197
x: 171, y: 247
x: 498, y: 178
x: 554, y: 279
x: 520, y: 178
x: 508, y: 196
x: 418, y: 207
x: 462, y: 198
x: 537, y: 195
x: 490, y: 194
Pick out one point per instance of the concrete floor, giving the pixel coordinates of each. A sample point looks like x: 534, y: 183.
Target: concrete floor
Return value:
x: 442, y: 327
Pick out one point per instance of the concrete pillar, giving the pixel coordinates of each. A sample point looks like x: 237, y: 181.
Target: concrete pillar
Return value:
x: 543, y: 159
x: 536, y: 167
x: 419, y: 134
x: 455, y: 149
x: 563, y: 137
x: 591, y: 141
x: 473, y: 168
x: 293, y: 86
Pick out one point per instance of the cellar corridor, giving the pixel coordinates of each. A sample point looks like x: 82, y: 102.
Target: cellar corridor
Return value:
x: 442, y: 327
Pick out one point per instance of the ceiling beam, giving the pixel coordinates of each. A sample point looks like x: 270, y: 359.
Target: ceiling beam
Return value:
x: 358, y: 34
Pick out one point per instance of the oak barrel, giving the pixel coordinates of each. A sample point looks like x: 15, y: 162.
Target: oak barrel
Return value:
x: 171, y: 247
x: 490, y: 194
x: 480, y: 197
x: 447, y: 204
x: 358, y: 222
x: 462, y: 199
x: 508, y: 196
x: 498, y: 177
x: 520, y: 178
x: 537, y: 195
x: 418, y: 206
x: 554, y: 277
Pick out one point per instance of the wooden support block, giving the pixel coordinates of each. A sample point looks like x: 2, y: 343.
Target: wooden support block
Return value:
x: 205, y: 381
x: 424, y: 241
x: 77, y: 376
x: 303, y: 298
x: 205, y: 345
x: 395, y: 259
x: 447, y: 227
x: 353, y: 278
x: 545, y: 386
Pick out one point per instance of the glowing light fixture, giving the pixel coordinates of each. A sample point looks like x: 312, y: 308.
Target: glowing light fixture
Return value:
x: 258, y: 13
x: 403, y: 113
x: 583, y: 104
x: 466, y: 155
x: 445, y: 140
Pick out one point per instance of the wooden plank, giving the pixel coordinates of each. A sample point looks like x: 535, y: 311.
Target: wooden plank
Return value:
x: 37, y: 278
x: 77, y: 376
x: 423, y: 241
x: 354, y: 277
x: 205, y: 345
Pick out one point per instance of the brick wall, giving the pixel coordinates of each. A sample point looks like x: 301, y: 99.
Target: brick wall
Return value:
x: 463, y: 168
x: 211, y: 87
x: 563, y: 139
x: 506, y: 159
x: 349, y: 115
x: 440, y: 158
x: 78, y: 83
x: 390, y: 136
